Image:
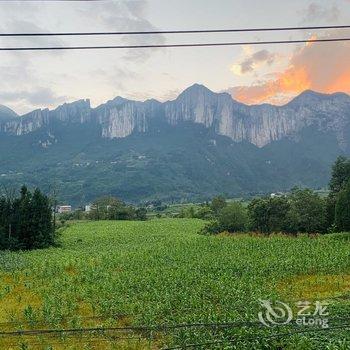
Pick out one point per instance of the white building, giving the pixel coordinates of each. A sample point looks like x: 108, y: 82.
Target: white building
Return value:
x: 88, y: 208
x: 64, y: 209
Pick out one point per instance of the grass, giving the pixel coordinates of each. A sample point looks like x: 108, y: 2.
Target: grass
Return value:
x: 119, y: 274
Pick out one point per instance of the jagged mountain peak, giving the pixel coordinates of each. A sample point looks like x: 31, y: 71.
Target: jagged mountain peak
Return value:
x: 82, y: 103
x: 118, y: 101
x: 308, y: 97
x: 152, y: 100
x: 6, y: 113
x: 258, y: 124
x: 196, y: 89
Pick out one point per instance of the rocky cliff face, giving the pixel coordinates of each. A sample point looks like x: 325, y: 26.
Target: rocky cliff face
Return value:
x: 121, y: 117
x: 260, y: 124
x: 76, y: 112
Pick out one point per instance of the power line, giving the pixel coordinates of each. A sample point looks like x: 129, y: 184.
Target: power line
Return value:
x: 196, y: 31
x: 165, y: 327
x: 131, y: 328
x: 106, y: 47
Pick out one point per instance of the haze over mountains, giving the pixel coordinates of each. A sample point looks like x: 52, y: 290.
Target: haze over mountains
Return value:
x: 198, y: 145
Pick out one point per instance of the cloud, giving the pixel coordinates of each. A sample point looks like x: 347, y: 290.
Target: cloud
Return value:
x: 126, y: 16
x: 25, y: 26
x: 137, y: 7
x: 40, y: 79
x: 170, y: 95
x: 116, y: 76
x: 322, y: 67
x: 315, y: 12
x: 38, y: 97
x: 249, y: 64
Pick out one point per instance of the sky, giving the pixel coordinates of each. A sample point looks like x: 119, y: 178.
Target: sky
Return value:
x: 251, y: 74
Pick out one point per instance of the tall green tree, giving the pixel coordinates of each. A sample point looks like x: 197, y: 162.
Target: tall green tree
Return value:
x: 307, y: 212
x: 268, y: 214
x: 342, y: 209
x: 41, y: 221
x: 217, y: 204
x: 340, y: 176
x: 26, y: 221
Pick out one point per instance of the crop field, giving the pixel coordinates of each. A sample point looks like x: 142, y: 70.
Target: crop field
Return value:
x: 158, y: 284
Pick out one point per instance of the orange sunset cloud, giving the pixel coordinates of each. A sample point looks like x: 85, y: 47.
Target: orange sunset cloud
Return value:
x: 323, y: 67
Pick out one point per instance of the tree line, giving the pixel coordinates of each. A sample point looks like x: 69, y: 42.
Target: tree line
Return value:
x: 108, y: 208
x: 299, y: 211
x: 26, y: 221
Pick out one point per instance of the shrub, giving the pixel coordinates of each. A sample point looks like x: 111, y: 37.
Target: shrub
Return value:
x: 267, y: 214
x: 232, y: 218
x: 302, y: 211
x: 111, y: 208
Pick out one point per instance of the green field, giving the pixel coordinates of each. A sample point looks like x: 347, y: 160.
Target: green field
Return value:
x: 161, y: 272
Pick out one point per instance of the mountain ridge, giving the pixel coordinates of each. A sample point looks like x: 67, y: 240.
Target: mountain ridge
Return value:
x: 123, y: 99
x: 191, y: 148
x: 257, y: 124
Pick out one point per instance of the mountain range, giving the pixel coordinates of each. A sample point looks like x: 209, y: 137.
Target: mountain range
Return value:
x: 200, y: 144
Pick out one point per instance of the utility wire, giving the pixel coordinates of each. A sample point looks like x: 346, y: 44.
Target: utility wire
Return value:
x: 131, y: 328
x: 196, y: 31
x: 106, y: 47
x: 145, y: 328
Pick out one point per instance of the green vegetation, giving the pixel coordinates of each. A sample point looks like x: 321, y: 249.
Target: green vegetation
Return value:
x: 338, y: 198
x: 299, y: 211
x: 111, y: 208
x: 231, y: 218
x: 184, y: 163
x: 268, y: 214
x: 123, y: 273
x: 26, y: 221
x: 342, y: 209
x: 107, y: 208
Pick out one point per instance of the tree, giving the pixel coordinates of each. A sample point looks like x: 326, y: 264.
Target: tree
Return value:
x: 232, y: 218
x: 342, y: 209
x: 26, y: 221
x: 7, y: 239
x: 340, y: 176
x: 204, y: 212
x: 104, y: 208
x: 268, y: 214
x: 23, y: 219
x: 42, y: 233
x: 141, y: 214
x: 111, y: 208
x: 307, y: 212
x: 217, y: 204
